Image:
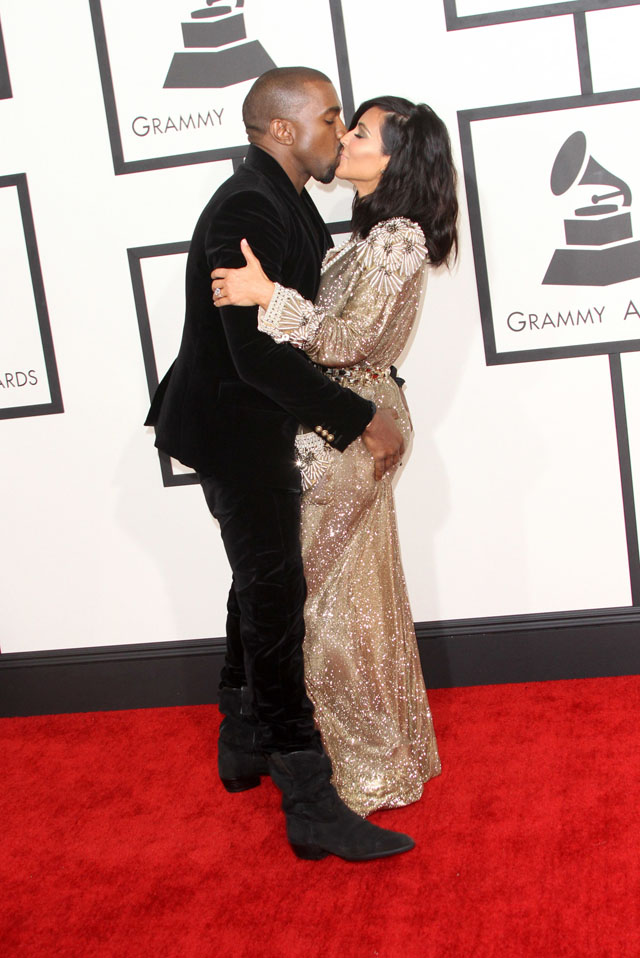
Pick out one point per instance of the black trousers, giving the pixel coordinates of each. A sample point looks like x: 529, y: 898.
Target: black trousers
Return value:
x: 265, y: 623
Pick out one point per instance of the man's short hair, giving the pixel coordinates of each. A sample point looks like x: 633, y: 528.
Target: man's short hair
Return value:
x: 278, y: 94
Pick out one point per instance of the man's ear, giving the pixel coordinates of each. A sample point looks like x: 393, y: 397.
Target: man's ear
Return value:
x: 282, y: 131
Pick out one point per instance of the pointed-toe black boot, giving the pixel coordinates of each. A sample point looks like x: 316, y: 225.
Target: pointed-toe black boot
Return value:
x: 318, y: 821
x: 240, y: 761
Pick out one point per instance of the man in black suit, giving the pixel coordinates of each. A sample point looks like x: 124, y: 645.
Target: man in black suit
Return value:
x: 229, y: 407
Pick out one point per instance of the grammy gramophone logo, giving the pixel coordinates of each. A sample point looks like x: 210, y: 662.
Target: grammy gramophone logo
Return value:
x: 600, y: 249
x: 217, y: 52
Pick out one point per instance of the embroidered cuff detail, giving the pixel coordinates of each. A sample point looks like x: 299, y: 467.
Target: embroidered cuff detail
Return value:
x: 289, y: 318
x: 313, y: 456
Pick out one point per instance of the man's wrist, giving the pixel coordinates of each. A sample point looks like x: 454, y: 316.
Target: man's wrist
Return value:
x: 374, y: 410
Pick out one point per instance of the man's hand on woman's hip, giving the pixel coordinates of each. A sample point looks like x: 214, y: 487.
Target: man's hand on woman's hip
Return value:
x: 384, y: 441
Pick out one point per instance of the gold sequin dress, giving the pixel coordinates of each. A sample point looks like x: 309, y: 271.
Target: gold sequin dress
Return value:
x: 362, y: 667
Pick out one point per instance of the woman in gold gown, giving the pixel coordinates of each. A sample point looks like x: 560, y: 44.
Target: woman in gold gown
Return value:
x: 362, y: 667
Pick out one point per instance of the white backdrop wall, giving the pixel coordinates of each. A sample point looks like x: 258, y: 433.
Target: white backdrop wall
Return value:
x: 510, y: 501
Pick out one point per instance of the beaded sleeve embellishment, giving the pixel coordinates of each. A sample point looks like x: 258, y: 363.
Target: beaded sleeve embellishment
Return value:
x: 312, y: 458
x: 289, y: 318
x: 392, y: 251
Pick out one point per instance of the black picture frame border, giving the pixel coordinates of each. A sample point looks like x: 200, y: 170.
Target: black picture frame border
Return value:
x: 6, y: 93
x: 122, y: 166
x: 19, y: 182
x: 530, y: 12
x: 465, y: 119
x: 135, y: 255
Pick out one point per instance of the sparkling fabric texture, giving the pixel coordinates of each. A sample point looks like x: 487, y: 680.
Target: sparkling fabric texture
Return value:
x: 361, y: 659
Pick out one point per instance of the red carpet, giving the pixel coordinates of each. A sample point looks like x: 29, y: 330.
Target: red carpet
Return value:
x: 119, y: 841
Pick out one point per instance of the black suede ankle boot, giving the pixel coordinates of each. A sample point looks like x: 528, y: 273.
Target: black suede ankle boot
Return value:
x: 318, y: 821
x: 240, y: 761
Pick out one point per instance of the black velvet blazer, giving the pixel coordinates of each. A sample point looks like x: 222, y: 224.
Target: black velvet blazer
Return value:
x: 231, y: 402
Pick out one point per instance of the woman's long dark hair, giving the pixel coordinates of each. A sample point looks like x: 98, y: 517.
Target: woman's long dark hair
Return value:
x: 419, y: 181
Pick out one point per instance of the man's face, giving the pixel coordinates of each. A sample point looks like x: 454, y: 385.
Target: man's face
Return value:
x: 318, y: 128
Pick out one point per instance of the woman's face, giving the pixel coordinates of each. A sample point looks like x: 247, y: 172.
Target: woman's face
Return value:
x: 363, y: 160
